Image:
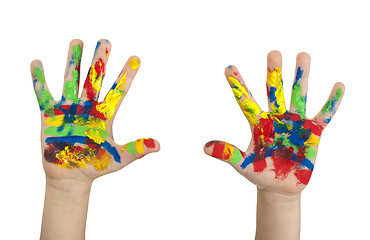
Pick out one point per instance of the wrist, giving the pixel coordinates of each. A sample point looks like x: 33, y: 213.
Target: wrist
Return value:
x: 274, y: 198
x: 65, y: 209
x: 68, y: 186
x: 278, y: 215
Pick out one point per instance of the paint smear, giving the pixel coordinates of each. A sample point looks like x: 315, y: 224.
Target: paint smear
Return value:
x: 138, y: 146
x: 44, y: 97
x: 287, y: 139
x: 227, y: 152
x: 249, y: 108
x: 115, y: 94
x: 275, y: 91
x: 134, y: 63
x: 298, y: 100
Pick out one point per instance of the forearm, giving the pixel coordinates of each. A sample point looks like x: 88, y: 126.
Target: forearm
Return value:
x: 65, y: 209
x: 278, y: 216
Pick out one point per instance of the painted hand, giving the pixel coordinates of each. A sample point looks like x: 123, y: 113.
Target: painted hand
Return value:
x: 282, y: 151
x: 76, y: 133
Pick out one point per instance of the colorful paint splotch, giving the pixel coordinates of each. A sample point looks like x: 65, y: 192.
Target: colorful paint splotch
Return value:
x: 288, y: 139
x: 227, y: 152
x: 275, y: 91
x: 329, y: 107
x: 77, y: 129
x: 249, y: 107
x: 137, y: 147
x: 115, y: 94
x: 134, y: 63
x: 71, y: 86
x: 298, y: 100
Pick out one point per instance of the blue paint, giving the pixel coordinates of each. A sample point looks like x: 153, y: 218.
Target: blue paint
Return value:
x: 230, y: 67
x: 248, y: 160
x: 114, y: 86
x: 307, y: 163
x: 298, y: 76
x: 82, y: 140
x: 96, y: 48
x: 272, y: 96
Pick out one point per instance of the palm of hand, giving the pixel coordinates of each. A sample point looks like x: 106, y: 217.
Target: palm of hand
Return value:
x: 283, y: 148
x: 77, y: 132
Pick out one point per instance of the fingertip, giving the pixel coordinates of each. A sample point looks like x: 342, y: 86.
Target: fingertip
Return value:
x: 274, y: 60
x: 134, y: 62
x: 340, y: 85
x: 231, y: 70
x: 76, y: 42
x: 34, y: 63
x: 303, y: 58
x: 273, y: 55
x: 104, y: 44
x: 157, y: 145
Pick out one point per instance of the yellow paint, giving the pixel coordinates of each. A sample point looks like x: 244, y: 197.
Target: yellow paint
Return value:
x: 123, y: 149
x: 108, y: 107
x: 94, y: 78
x: 312, y: 140
x: 139, y: 146
x: 134, y: 63
x: 90, y: 122
x: 68, y: 159
x: 100, y: 163
x: 94, y: 135
x: 275, y: 79
x: 228, y: 152
x: 250, y: 108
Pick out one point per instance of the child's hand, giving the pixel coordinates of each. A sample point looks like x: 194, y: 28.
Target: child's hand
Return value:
x: 76, y: 135
x: 282, y: 152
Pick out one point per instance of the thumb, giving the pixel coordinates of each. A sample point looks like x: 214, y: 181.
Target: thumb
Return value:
x: 224, y: 151
x: 138, y: 149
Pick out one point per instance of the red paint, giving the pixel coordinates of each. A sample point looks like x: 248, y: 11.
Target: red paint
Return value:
x: 265, y: 131
x: 259, y: 165
x: 235, y: 73
x: 218, y: 150
x: 90, y: 92
x: 282, y: 166
x: 289, y: 116
x: 100, y: 72
x: 303, y: 176
x: 314, y: 126
x: 149, y: 143
x: 81, y: 110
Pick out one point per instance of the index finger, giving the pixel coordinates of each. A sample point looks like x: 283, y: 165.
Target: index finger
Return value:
x: 114, y: 97
x: 242, y: 95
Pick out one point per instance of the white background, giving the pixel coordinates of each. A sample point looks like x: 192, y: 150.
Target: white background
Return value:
x: 181, y: 98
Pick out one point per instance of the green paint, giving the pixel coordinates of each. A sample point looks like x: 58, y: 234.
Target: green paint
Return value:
x: 77, y: 53
x: 131, y: 148
x: 70, y: 130
x: 237, y: 156
x: 70, y: 88
x: 298, y: 101
x: 310, y: 153
x: 285, y: 141
x: 39, y: 75
x: 43, y: 95
x: 327, y: 107
x: 338, y: 94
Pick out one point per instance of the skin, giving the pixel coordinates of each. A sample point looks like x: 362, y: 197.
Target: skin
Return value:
x: 68, y: 186
x: 282, y: 177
